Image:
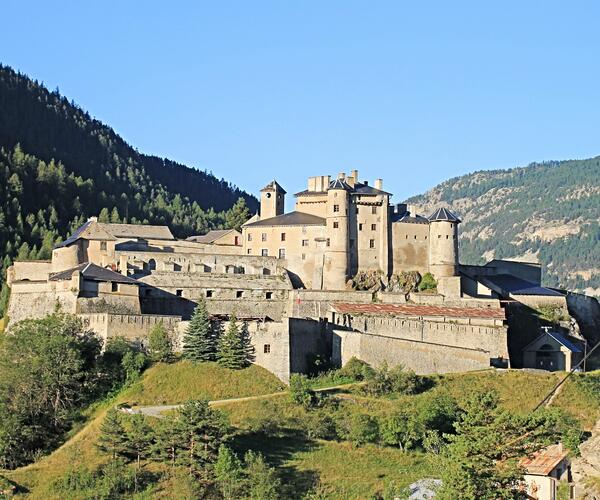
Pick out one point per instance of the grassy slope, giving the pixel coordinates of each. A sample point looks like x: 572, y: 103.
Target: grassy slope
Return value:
x: 183, y: 380
x: 341, y: 470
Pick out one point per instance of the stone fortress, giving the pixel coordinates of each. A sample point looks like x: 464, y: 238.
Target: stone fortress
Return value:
x: 288, y: 277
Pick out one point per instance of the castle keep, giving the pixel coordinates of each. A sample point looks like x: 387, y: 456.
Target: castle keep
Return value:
x: 343, y: 226
x: 290, y: 278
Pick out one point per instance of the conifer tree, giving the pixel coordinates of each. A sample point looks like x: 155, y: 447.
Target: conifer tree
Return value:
x: 234, y: 346
x: 113, y: 438
x: 262, y: 480
x: 199, y: 340
x: 229, y: 473
x: 138, y: 440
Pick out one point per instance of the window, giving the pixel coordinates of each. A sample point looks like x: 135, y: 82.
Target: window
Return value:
x: 373, y: 227
x: 357, y: 210
x: 328, y: 242
x: 336, y: 225
x: 374, y: 210
x: 236, y: 240
x: 179, y: 293
x: 268, y: 295
x: 209, y: 294
x: 103, y: 245
x: 360, y: 227
x: 303, y: 256
x: 264, y: 252
x: 266, y: 271
x: 282, y: 253
x: 336, y: 208
x: 415, y: 236
x: 439, y: 236
x: 282, y: 236
x: 304, y: 243
x: 114, y: 287
x: 249, y: 237
x: 371, y: 243
x: 263, y: 237
x: 249, y: 251
x: 267, y: 348
x: 239, y: 294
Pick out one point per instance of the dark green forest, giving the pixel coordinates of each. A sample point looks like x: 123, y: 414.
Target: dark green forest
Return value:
x: 502, y: 209
x: 59, y: 166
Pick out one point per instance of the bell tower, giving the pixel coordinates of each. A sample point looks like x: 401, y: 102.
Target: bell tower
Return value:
x: 272, y: 200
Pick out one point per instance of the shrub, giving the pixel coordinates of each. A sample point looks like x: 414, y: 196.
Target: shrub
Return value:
x: 403, y: 429
x: 159, y: 344
x: 363, y: 429
x: 300, y: 391
x: 356, y: 369
x: 387, y: 380
x: 428, y: 282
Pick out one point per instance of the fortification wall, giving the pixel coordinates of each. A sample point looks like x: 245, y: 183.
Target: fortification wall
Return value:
x: 426, y: 346
x: 133, y: 327
x: 586, y: 310
x: 30, y: 300
x: 410, y: 247
x: 536, y: 301
x: 29, y: 270
x: 309, y: 339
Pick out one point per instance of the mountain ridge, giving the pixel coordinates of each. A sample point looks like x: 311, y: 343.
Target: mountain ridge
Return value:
x: 546, y: 211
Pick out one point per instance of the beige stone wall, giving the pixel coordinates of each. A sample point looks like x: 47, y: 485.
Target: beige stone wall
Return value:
x: 426, y: 346
x: 314, y: 204
x: 316, y: 304
x: 67, y: 257
x: 443, y: 248
x: 37, y: 270
x: 410, y: 247
x: 38, y: 299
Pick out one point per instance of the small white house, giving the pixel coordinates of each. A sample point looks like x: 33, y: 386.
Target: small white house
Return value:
x: 544, y: 470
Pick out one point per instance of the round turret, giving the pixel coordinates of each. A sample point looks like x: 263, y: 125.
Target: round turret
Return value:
x: 335, y: 270
x: 443, y: 243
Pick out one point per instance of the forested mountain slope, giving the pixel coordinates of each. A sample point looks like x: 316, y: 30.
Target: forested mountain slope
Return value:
x: 547, y: 211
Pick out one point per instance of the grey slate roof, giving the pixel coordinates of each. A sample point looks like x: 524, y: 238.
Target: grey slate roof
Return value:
x: 75, y: 236
x: 144, y: 231
x: 560, y: 338
x: 94, y: 273
x: 365, y: 189
x: 274, y: 185
x: 291, y: 219
x: 210, y: 237
x: 359, y: 188
x: 340, y: 184
x: 517, y: 286
x: 408, y: 218
x: 443, y: 214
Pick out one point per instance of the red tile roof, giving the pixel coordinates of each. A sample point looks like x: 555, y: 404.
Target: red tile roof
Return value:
x: 418, y: 310
x: 544, y: 461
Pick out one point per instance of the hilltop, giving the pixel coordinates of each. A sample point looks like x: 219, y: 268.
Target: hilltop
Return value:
x: 546, y: 211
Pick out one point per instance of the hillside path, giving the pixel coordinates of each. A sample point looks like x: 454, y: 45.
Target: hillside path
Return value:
x: 157, y: 411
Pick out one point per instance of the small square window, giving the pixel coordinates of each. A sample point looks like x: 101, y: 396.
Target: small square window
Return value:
x: 415, y: 236
x: 249, y: 237
x: 282, y: 253
x: 373, y: 227
x: 114, y: 287
x: 264, y: 252
x: 179, y: 293
x: 360, y: 227
x: 268, y: 295
x: 328, y: 242
x: 263, y: 237
x: 103, y: 245
x: 446, y: 236
x: 303, y: 256
x: 282, y: 236
x: 239, y: 294
x: 336, y: 225
x: 209, y: 294
x: 267, y: 348
x: 249, y: 251
x: 371, y: 243
x: 336, y: 208
x: 304, y: 243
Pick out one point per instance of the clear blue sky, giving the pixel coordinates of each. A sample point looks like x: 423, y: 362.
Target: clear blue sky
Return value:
x: 414, y: 92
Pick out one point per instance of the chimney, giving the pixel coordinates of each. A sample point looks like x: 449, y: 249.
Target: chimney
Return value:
x: 378, y: 184
x: 93, y: 219
x: 355, y: 175
x: 342, y: 175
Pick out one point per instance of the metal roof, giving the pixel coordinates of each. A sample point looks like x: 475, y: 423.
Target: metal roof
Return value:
x: 407, y: 218
x: 513, y: 285
x: 291, y: 219
x: 443, y: 214
x: 560, y: 338
x: 543, y: 462
x: 418, y: 310
x: 94, y: 273
x: 144, y: 231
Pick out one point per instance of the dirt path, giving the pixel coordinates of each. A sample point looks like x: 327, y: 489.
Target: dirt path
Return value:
x: 157, y: 411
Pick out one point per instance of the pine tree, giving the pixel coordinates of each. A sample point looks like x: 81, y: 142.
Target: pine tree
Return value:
x: 113, y: 438
x: 138, y: 440
x: 104, y: 215
x: 229, y: 473
x: 262, y: 480
x: 114, y: 216
x: 199, y: 340
x: 159, y: 344
x: 234, y: 347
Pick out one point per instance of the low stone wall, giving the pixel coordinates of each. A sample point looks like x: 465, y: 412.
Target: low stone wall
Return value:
x: 133, y: 327
x: 33, y: 300
x: 315, y: 304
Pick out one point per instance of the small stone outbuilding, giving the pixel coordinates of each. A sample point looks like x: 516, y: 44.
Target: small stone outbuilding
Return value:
x: 553, y: 351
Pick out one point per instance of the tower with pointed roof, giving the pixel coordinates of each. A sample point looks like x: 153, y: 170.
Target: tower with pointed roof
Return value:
x: 272, y: 200
x: 443, y: 243
x: 336, y: 256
